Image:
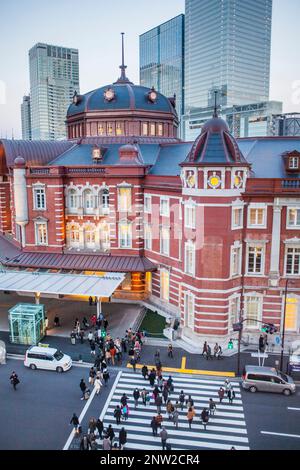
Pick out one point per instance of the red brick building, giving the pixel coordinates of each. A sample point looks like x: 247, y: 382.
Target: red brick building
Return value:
x: 203, y: 230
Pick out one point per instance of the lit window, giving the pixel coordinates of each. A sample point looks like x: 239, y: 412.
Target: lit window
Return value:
x: 257, y: 217
x: 292, y: 261
x: 124, y: 199
x: 237, y: 217
x: 74, y: 235
x: 145, y: 129
x: 165, y: 241
x: 234, y: 312
x: 119, y: 129
x: 104, y: 237
x: 152, y: 128
x: 253, y: 307
x: 189, y: 258
x: 164, y: 207
x: 164, y: 284
x: 160, y: 129
x: 190, y: 216
x: 294, y: 163
x: 101, y: 130
x: 147, y: 203
x: 236, y: 260
x: 291, y: 314
x: 148, y: 281
x: 293, y: 218
x: 89, y: 235
x: 109, y: 128
x: 39, y: 198
x: 189, y: 310
x: 255, y: 259
x: 148, y: 237
x: 41, y: 235
x: 125, y: 235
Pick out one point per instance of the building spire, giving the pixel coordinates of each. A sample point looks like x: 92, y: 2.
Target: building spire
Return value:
x: 123, y: 67
x: 215, y: 115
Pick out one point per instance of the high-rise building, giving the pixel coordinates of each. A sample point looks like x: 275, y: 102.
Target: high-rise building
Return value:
x: 287, y: 124
x: 54, y: 77
x: 227, y: 48
x: 162, y: 59
x: 26, y: 118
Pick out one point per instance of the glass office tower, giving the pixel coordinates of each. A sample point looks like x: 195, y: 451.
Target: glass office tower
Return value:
x: 162, y: 59
x: 227, y: 48
x: 54, y: 77
x: 26, y: 118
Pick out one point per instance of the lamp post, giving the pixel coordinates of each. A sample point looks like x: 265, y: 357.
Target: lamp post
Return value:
x: 283, y: 325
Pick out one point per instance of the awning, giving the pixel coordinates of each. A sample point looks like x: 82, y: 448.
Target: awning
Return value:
x: 67, y: 284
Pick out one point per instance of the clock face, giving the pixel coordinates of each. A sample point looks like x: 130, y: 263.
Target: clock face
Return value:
x: 152, y: 96
x: 237, y: 181
x: 109, y: 94
x: 214, y: 181
x: 191, y: 180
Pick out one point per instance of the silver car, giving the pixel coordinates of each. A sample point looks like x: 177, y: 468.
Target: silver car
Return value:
x: 267, y: 379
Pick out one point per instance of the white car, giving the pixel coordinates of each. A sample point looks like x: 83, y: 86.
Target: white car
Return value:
x: 38, y: 357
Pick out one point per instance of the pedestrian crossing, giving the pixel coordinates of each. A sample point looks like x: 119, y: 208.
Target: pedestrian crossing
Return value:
x: 225, y: 429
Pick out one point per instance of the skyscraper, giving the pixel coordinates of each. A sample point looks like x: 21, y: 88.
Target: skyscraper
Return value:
x: 227, y: 48
x: 162, y: 59
x: 54, y: 77
x: 26, y: 118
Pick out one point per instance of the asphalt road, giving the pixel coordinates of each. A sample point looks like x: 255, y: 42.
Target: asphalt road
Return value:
x: 37, y: 415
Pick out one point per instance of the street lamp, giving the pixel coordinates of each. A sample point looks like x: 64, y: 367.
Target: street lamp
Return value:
x: 284, y: 314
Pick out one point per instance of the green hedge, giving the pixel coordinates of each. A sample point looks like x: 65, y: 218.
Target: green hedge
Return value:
x: 153, y: 324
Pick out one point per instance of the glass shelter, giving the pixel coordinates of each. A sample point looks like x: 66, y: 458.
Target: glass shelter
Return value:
x: 26, y: 323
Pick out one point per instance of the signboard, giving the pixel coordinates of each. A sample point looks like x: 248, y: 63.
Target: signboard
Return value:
x: 277, y: 340
x: 262, y: 355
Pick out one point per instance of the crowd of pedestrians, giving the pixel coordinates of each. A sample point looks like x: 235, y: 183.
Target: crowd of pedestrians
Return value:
x: 207, y: 352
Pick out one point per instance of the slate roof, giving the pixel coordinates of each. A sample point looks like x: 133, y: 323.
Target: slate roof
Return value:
x: 127, y: 96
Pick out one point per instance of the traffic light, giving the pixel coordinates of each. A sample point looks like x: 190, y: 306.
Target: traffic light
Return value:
x: 269, y: 328
x: 230, y: 344
x: 103, y: 333
x: 265, y: 328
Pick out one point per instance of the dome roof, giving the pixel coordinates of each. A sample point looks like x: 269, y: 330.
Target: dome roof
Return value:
x: 127, y: 96
x: 215, y: 124
x: 19, y: 161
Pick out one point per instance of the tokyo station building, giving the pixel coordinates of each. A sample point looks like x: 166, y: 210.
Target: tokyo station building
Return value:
x: 203, y: 231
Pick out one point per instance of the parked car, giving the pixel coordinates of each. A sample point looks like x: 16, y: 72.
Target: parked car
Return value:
x: 267, y: 379
x: 294, y: 361
x: 38, y: 357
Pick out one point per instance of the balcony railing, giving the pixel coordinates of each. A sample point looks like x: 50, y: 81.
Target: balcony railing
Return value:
x: 290, y: 184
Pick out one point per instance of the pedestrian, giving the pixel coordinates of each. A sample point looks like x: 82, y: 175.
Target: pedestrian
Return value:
x: 228, y: 386
x: 90, y: 300
x: 145, y: 372
x: 85, y: 443
x: 219, y: 352
x: 105, y: 324
x: 208, y: 354
x: 133, y: 362
x: 106, y: 443
x: 125, y: 412
x: 155, y: 392
x: 175, y: 417
x: 154, y: 426
x: 100, y: 427
x: 181, y: 399
x: 160, y: 382
x: 105, y: 376
x: 221, y: 393
x: 164, y: 436
x: 92, y: 375
x: 152, y: 377
x: 82, y: 386
x: 90, y: 337
x: 159, y: 419
x: 157, y: 356
x: 204, y: 417
x: 170, y: 384
x: 212, y: 407
x: 93, y: 348
x: 97, y: 385
x: 204, y: 350
x: 46, y: 323
x: 170, y: 409
x: 56, y: 321
x: 158, y: 403
x: 81, y: 336
x: 189, y: 402
x: 75, y: 421
x: 14, y: 380
x: 93, y: 320
x: 117, y: 414
x: 124, y: 399
x: 144, y: 396
x: 261, y: 344
x: 92, y: 426
x: 170, y: 351
x: 110, y: 433
x: 165, y: 394
x: 216, y: 348
x: 231, y: 395
x: 190, y: 416
x: 122, y: 438
x: 85, y: 323
x: 136, y: 396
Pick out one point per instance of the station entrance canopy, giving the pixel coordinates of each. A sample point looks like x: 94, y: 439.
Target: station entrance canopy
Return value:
x: 65, y: 284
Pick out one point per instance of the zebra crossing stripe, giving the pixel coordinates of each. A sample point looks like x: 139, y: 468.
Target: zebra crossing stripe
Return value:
x: 198, y: 403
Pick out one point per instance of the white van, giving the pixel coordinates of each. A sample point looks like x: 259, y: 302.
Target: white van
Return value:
x: 38, y: 357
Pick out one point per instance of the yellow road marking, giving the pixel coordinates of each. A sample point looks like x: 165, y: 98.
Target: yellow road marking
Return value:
x: 183, y: 362
x: 189, y: 371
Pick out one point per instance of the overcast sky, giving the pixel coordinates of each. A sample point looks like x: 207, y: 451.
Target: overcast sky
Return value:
x: 94, y: 26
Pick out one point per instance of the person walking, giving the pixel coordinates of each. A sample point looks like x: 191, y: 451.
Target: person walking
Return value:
x: 228, y: 386
x: 164, y: 436
x: 204, y: 350
x: 92, y: 375
x: 189, y: 402
x: 154, y: 426
x: 170, y: 351
x: 175, y: 417
x: 204, y: 417
x: 231, y: 395
x: 157, y: 356
x: 93, y: 348
x: 208, y: 354
x: 100, y: 427
x: 75, y: 421
x: 136, y: 396
x: 212, y: 407
x: 181, y: 399
x: 158, y: 403
x: 133, y: 362
x: 122, y: 438
x: 97, y: 385
x: 106, y: 445
x: 221, y: 393
x: 118, y: 414
x: 125, y: 412
x: 219, y: 352
x: 159, y: 419
x: 92, y: 426
x: 105, y: 375
x: 190, y: 416
x: 152, y: 377
x: 145, y: 372
x: 124, y: 399
x: 82, y: 386
x: 14, y: 380
x: 85, y: 443
x: 165, y: 394
x: 144, y: 396
x: 155, y: 392
x: 90, y: 337
x: 170, y: 409
x: 110, y: 433
x: 170, y: 384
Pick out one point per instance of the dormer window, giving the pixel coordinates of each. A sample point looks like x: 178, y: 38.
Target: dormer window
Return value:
x: 293, y: 163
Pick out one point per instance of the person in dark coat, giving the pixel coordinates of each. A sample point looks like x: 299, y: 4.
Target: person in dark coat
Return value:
x: 105, y: 376
x: 154, y: 426
x: 85, y: 443
x: 82, y: 386
x: 122, y: 438
x: 231, y: 395
x: 165, y: 394
x: 124, y: 399
x: 181, y: 399
x: 14, y: 380
x: 145, y: 372
x: 136, y: 396
x: 75, y: 421
x: 100, y: 427
x: 204, y: 417
x: 155, y: 392
x: 117, y: 414
x: 105, y: 324
x: 152, y: 377
x: 110, y: 432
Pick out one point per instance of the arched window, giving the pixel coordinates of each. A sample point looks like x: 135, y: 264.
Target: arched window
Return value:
x: 104, y: 200
x: 89, y: 236
x: 125, y: 234
x: 104, y: 237
x: 73, y: 232
x: 72, y: 201
x: 88, y: 201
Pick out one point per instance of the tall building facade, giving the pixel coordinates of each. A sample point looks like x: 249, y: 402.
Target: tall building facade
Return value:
x: 26, y: 118
x: 162, y: 59
x: 54, y: 77
x: 227, y: 48
x: 286, y: 124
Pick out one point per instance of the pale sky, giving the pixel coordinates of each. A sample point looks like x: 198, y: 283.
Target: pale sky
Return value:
x: 94, y: 26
